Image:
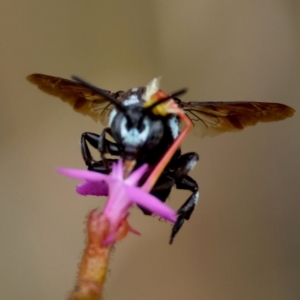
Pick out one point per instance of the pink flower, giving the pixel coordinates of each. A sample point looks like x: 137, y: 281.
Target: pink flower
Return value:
x: 122, y: 194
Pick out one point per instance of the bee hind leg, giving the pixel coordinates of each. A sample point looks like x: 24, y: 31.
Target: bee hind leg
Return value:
x: 184, y: 182
x: 185, y: 211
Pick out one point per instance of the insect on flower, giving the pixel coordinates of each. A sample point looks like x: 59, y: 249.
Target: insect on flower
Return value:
x: 107, y: 227
x: 144, y: 126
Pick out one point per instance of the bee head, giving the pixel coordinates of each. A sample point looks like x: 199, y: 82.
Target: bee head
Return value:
x: 136, y: 123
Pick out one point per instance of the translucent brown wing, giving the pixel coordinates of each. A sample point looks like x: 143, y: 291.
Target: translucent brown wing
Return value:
x: 213, y: 118
x: 81, y: 98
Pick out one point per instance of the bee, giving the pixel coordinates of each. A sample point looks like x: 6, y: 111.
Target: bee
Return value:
x: 142, y: 136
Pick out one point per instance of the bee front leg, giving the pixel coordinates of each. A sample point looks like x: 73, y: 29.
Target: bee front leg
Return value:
x: 106, y: 146
x: 100, y: 143
x: 92, y: 139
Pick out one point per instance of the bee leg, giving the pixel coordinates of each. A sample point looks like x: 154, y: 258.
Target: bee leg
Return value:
x: 163, y: 183
x: 185, y: 211
x: 182, y: 166
x: 99, y: 166
x: 92, y: 138
x: 98, y: 142
x: 106, y: 146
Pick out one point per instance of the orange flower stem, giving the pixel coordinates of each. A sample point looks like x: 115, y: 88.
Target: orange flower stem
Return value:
x: 95, y: 259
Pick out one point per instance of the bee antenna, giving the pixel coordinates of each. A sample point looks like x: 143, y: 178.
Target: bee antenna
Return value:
x: 100, y: 92
x: 173, y: 95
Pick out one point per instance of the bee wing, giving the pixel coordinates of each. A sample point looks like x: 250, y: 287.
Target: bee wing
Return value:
x: 81, y: 98
x: 213, y: 118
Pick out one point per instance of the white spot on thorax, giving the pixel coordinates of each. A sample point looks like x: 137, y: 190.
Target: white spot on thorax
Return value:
x: 174, y: 126
x: 133, y: 99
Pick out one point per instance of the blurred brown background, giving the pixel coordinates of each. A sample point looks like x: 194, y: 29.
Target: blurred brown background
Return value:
x: 243, y: 240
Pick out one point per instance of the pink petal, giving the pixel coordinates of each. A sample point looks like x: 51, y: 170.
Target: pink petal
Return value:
x: 151, y: 203
x: 135, y: 176
x: 92, y: 188
x: 94, y: 182
x: 85, y: 175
